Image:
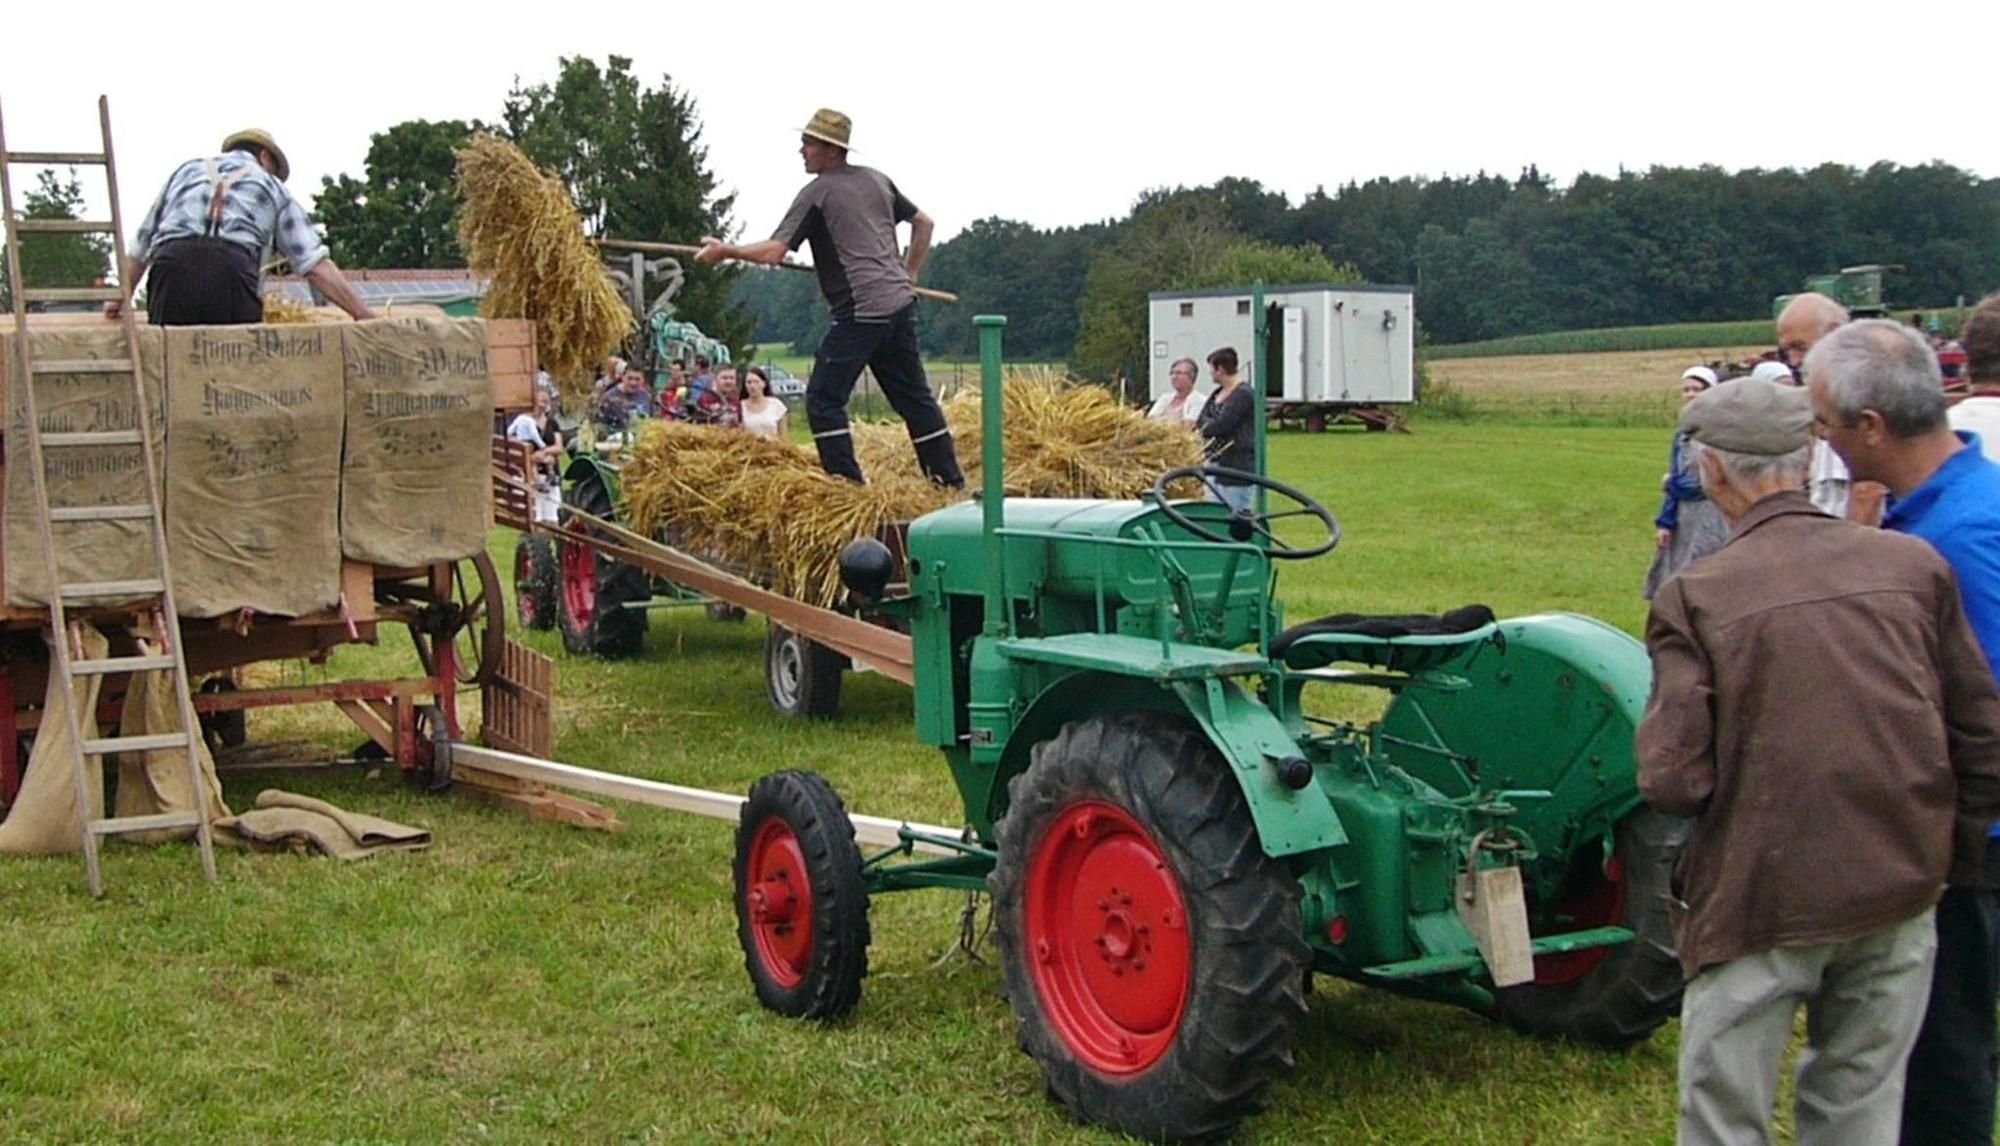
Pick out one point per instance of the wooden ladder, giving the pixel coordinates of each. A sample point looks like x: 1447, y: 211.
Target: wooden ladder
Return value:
x: 154, y: 594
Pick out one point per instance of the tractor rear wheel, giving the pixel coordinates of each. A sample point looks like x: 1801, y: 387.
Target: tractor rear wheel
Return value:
x: 1151, y: 951
x: 801, y: 904
x: 536, y: 581
x: 1608, y: 996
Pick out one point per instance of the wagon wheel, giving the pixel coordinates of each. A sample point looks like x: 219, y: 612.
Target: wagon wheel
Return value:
x: 432, y: 768
x: 473, y: 618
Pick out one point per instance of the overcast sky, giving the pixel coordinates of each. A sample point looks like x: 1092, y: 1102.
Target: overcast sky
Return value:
x: 1052, y: 113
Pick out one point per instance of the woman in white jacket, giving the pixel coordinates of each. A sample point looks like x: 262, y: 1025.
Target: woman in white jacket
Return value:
x: 1182, y: 404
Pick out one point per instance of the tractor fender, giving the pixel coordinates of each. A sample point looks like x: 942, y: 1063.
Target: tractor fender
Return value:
x: 1552, y: 705
x: 1289, y: 821
x: 586, y: 467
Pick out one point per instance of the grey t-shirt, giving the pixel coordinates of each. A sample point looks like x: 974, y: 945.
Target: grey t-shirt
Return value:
x: 849, y: 215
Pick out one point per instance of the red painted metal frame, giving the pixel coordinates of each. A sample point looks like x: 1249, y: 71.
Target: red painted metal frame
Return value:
x: 395, y: 729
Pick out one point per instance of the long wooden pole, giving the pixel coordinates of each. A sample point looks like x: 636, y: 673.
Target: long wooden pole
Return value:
x: 870, y: 831
x: 652, y: 248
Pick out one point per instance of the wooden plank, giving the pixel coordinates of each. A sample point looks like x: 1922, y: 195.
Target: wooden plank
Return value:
x: 516, y: 706
x: 509, y: 332
x: 513, y: 503
x: 357, y: 585
x: 869, y: 831
x: 374, y: 726
x: 510, y: 360
x: 534, y: 801
x: 885, y: 650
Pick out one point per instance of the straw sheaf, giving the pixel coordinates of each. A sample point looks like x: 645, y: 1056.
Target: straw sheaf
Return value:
x: 278, y: 308
x: 519, y: 228
x: 767, y: 509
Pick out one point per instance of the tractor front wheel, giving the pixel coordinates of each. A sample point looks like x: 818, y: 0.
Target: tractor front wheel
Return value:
x: 1151, y: 951
x: 801, y: 905
x: 1608, y: 996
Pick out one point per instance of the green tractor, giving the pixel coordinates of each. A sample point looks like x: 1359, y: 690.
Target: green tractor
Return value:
x: 1857, y: 288
x: 1174, y: 841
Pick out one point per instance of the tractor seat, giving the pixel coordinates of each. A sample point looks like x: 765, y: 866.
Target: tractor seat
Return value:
x: 1406, y: 643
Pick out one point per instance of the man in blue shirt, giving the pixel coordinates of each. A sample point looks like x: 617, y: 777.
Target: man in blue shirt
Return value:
x: 1878, y: 399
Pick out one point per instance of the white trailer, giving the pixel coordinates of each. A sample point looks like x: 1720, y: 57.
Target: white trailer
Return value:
x: 1335, y: 351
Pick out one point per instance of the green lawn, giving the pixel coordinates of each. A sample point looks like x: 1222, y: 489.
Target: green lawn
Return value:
x: 530, y: 983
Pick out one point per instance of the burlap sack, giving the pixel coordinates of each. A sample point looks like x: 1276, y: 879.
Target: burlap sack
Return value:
x: 253, y: 468
x: 44, y: 819
x: 150, y: 783
x: 415, y: 484
x: 79, y: 476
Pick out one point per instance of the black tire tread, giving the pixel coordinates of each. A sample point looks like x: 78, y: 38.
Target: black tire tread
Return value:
x: 1249, y: 952
x: 813, y: 810
x: 537, y: 555
x: 1637, y: 987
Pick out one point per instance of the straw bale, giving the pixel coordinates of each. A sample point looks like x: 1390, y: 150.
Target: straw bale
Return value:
x: 767, y: 507
x: 519, y: 227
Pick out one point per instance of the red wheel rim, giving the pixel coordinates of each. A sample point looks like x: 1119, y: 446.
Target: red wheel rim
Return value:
x: 778, y: 899
x: 579, y: 584
x: 1595, y: 901
x: 1106, y: 933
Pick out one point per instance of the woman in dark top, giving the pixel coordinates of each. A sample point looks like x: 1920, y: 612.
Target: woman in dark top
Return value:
x: 1228, y: 428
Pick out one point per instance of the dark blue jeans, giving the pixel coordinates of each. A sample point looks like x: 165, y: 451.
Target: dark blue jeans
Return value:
x: 889, y: 348
x: 1948, y: 1098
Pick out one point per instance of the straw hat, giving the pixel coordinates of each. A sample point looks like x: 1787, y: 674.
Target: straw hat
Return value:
x: 829, y: 126
x: 262, y: 139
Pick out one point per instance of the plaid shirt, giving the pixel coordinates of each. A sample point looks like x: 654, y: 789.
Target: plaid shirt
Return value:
x: 257, y: 212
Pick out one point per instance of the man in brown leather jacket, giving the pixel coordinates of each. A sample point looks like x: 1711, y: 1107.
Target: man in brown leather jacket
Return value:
x: 1823, y: 711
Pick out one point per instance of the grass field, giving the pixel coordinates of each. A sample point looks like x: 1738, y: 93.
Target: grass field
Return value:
x: 530, y: 983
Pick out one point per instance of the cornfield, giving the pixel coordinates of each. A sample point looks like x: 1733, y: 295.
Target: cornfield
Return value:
x: 1671, y: 336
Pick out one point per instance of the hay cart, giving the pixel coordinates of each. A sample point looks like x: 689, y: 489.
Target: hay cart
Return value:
x: 596, y: 579
x: 453, y: 613
x: 593, y: 583
x: 1174, y: 838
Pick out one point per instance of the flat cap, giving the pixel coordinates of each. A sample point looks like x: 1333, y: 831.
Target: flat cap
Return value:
x: 1750, y: 416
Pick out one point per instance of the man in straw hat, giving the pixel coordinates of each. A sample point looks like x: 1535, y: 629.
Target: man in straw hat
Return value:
x: 206, y: 237
x: 1822, y: 709
x: 849, y: 214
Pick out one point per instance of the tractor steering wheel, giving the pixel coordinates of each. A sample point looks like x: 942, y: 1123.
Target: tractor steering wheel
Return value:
x: 1247, y: 523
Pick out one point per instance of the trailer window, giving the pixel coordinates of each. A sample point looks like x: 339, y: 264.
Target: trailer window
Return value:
x: 1242, y: 306
x: 1187, y: 310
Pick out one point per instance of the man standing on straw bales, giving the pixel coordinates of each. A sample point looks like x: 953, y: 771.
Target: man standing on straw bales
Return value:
x: 849, y: 214
x: 206, y: 236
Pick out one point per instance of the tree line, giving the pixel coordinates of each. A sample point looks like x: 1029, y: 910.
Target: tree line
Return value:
x: 1488, y: 256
